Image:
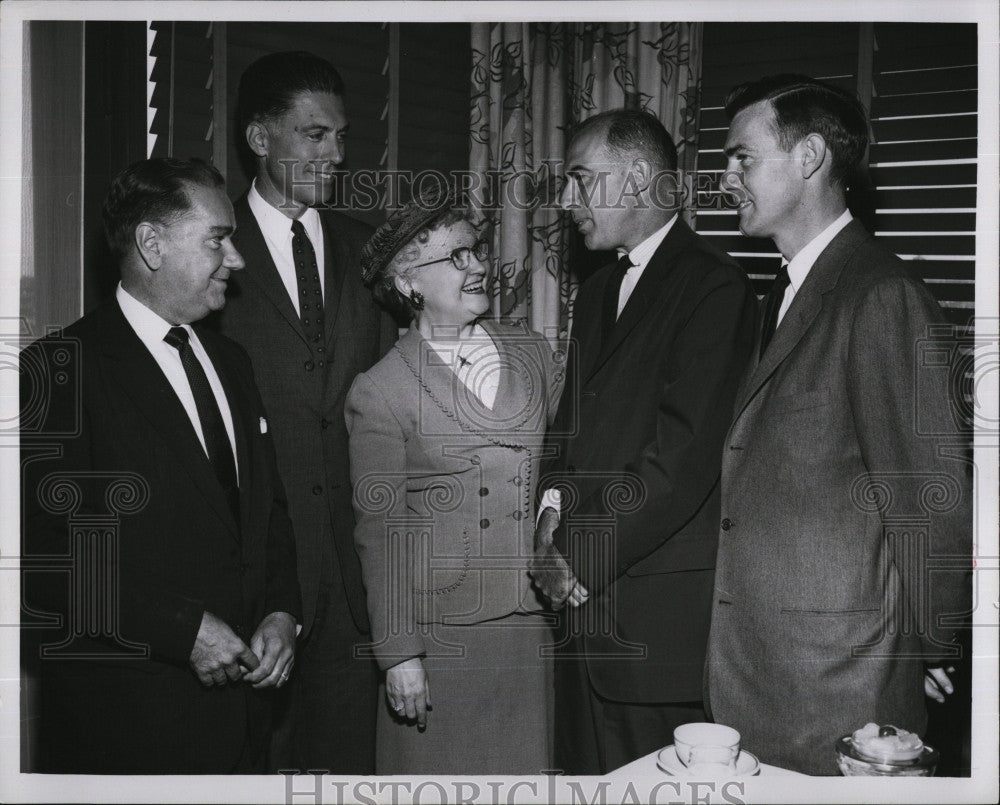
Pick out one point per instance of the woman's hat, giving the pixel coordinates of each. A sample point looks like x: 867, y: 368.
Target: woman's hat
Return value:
x: 432, y: 200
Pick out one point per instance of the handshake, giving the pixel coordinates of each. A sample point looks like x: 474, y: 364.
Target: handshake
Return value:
x: 549, y: 570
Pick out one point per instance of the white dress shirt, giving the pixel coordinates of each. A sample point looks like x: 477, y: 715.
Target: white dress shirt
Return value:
x: 798, y: 268
x: 277, y: 230
x: 640, y: 257
x: 151, y: 329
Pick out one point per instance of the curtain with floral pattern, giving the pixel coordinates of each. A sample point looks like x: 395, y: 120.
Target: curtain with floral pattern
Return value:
x: 530, y: 83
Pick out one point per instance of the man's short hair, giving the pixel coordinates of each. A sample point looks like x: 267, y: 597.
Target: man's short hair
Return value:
x: 153, y: 190
x: 803, y: 106
x: 268, y: 87
x: 630, y: 132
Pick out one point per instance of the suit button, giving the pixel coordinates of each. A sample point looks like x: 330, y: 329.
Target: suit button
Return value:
x: 483, y: 492
x: 308, y: 366
x: 517, y: 515
x: 727, y: 524
x: 317, y: 490
x: 324, y: 423
x: 475, y: 460
x: 484, y: 523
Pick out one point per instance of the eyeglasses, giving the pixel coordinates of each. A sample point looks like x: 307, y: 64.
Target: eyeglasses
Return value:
x: 462, y: 256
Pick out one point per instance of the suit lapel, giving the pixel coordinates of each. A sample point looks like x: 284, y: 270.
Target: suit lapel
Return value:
x: 260, y: 267
x: 806, y: 305
x: 142, y: 380
x: 440, y: 383
x: 335, y: 267
x: 512, y: 394
x: 241, y: 421
x: 646, y: 292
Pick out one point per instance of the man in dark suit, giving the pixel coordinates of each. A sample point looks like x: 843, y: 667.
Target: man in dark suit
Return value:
x: 310, y: 326
x: 661, y: 339
x: 845, y: 478
x: 149, y: 475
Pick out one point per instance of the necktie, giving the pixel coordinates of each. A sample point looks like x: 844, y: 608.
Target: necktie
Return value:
x: 772, y: 306
x: 611, y: 294
x: 310, y: 291
x: 220, y: 451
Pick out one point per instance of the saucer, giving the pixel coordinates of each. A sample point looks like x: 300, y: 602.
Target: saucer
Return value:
x: 747, y: 764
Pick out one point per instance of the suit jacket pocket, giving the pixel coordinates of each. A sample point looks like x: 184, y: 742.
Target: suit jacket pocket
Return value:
x: 799, y: 401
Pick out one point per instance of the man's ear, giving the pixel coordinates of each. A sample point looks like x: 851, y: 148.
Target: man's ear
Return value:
x: 149, y: 243
x: 814, y: 154
x: 642, y: 173
x: 257, y: 138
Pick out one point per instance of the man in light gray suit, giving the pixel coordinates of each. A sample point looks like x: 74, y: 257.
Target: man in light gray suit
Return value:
x: 825, y: 608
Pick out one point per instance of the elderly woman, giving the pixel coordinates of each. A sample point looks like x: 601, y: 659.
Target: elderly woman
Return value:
x: 445, y: 438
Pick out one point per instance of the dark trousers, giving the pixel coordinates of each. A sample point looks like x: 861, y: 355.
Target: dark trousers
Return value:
x: 594, y: 735
x: 327, y: 713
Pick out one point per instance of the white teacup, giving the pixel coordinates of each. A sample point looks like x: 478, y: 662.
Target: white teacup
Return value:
x: 703, y: 743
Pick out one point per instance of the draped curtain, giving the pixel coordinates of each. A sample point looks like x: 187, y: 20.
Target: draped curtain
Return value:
x: 530, y: 83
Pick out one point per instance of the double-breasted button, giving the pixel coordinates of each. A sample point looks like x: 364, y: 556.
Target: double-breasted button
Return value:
x: 308, y: 366
x: 484, y: 523
x: 317, y: 490
x: 727, y: 524
x: 483, y: 492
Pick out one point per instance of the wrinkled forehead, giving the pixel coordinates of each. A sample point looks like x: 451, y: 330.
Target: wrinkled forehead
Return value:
x: 209, y: 206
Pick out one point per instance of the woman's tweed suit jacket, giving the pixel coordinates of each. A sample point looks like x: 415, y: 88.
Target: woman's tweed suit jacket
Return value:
x: 444, y: 487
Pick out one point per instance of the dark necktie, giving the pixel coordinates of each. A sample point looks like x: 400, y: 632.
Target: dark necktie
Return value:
x: 612, y: 292
x: 772, y: 306
x: 310, y: 291
x: 217, y: 444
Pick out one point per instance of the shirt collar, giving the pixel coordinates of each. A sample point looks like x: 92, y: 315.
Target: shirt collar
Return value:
x: 641, y: 254
x: 799, y: 266
x: 275, y: 225
x: 148, y: 325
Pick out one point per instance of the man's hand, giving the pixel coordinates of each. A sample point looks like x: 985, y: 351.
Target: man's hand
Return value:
x: 219, y: 656
x: 937, y: 683
x: 408, y: 691
x: 274, y: 644
x: 548, y: 568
